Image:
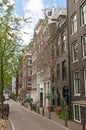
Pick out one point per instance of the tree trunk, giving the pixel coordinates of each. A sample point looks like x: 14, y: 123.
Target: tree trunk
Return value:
x: 63, y: 103
x: 2, y: 86
x: 17, y: 86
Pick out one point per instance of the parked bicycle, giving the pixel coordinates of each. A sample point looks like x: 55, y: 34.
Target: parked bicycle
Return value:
x: 5, y: 110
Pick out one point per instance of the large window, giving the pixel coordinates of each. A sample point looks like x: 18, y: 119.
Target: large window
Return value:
x: 75, y: 1
x: 63, y: 42
x: 84, y: 45
x: 29, y: 72
x: 64, y: 70
x: 76, y: 83
x: 29, y: 82
x: 73, y: 23
x: 29, y: 61
x: 83, y: 14
x: 49, y: 13
x: 77, y: 115
x: 75, y: 51
x: 85, y: 80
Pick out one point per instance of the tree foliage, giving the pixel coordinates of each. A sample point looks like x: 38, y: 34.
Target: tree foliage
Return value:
x: 10, y: 43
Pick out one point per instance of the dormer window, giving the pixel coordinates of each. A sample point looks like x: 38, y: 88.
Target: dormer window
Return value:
x: 75, y: 1
x: 29, y: 61
x: 49, y: 13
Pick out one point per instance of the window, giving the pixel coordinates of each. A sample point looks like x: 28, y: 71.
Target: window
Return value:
x: 77, y: 115
x: 75, y: 1
x: 75, y: 51
x: 29, y: 61
x: 74, y: 24
x: 77, y: 83
x: 83, y: 14
x: 29, y: 71
x: 59, y: 45
x: 64, y: 70
x: 63, y: 42
x: 29, y: 82
x: 84, y: 45
x: 49, y: 13
x: 85, y: 80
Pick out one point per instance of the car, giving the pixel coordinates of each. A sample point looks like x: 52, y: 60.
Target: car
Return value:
x: 6, y: 97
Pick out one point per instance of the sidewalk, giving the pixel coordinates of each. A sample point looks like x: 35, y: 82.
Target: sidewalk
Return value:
x: 8, y: 125
x: 70, y: 124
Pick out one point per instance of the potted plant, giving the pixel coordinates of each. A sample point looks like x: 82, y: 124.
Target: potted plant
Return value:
x: 49, y: 97
x: 50, y: 108
x: 58, y: 110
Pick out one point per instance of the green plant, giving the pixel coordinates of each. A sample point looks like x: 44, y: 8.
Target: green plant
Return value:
x: 29, y: 100
x: 62, y: 114
x: 13, y: 95
x: 65, y: 113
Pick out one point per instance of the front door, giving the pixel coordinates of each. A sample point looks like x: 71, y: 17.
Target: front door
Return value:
x: 66, y: 94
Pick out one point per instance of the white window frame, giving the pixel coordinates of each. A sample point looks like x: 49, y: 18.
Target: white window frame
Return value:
x: 74, y: 24
x: 30, y: 83
x: 85, y: 80
x: 83, y: 47
x: 75, y: 1
x: 76, y: 113
x: 83, y: 14
x: 29, y: 59
x: 75, y: 92
x: 74, y: 53
x: 29, y: 69
x: 63, y: 42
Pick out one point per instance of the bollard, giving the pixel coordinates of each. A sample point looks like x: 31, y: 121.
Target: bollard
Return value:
x: 43, y: 111
x: 83, y: 124
x: 49, y: 114
x: 66, y: 123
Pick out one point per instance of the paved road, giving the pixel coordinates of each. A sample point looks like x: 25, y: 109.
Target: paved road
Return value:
x: 23, y: 119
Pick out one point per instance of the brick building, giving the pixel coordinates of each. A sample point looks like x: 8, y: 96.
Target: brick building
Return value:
x: 34, y: 73
x: 52, y: 31
x: 27, y: 75
x: 77, y: 43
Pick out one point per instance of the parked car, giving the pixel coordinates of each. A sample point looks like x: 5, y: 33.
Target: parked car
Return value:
x: 6, y: 97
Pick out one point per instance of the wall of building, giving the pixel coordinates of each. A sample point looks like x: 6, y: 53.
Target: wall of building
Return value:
x: 80, y: 64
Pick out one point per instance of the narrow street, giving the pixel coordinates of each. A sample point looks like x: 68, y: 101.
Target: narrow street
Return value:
x: 23, y: 119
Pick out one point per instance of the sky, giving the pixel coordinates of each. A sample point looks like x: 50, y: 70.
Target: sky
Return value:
x: 34, y: 10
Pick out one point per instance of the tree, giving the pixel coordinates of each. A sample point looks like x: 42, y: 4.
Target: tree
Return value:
x: 10, y: 43
x: 48, y: 54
